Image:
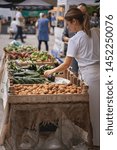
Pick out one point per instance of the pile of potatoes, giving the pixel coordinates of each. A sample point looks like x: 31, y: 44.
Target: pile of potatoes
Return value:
x: 48, y: 88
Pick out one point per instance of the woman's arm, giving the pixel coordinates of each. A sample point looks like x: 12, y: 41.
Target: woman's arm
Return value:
x: 62, y: 67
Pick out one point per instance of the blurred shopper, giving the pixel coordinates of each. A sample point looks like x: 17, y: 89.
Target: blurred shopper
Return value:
x: 94, y: 20
x: 84, y: 46
x: 65, y: 38
x: 49, y: 17
x: 36, y: 24
x: 83, y: 8
x: 12, y: 29
x: 20, y: 24
x: 40, y: 15
x: 43, y: 26
x: 53, y: 22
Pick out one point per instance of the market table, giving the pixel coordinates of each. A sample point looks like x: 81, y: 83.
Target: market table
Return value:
x: 25, y: 114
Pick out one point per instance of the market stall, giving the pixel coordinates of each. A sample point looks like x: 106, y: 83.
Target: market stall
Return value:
x: 41, y: 114
x: 31, y: 10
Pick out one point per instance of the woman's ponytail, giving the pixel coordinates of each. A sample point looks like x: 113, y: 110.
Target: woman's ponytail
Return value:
x: 86, y: 25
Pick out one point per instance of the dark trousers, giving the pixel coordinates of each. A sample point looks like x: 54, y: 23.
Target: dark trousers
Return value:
x: 46, y: 44
x: 53, y: 28
x: 74, y: 66
x: 19, y: 33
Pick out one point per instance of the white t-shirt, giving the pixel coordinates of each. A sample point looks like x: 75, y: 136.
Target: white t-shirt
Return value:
x: 18, y: 15
x: 86, y: 50
x: 13, y: 26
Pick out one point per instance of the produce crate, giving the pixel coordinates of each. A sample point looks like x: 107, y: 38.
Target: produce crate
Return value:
x: 67, y: 74
x: 31, y: 74
x: 49, y: 97
x: 39, y: 60
x: 44, y: 109
x: 22, y: 58
x: 50, y: 92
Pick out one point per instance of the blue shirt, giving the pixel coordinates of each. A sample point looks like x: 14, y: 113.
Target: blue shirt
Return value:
x: 43, y: 30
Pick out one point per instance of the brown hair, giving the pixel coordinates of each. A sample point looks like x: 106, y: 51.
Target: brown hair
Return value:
x: 75, y: 13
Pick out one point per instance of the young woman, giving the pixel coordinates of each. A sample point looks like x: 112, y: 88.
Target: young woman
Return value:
x: 84, y: 46
x: 68, y: 34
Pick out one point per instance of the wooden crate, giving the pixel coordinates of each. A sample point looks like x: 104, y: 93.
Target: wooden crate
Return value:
x: 67, y: 74
x: 58, y: 98
x: 47, y: 110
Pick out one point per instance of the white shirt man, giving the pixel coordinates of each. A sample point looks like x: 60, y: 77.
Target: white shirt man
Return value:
x: 19, y: 19
x: 20, y: 24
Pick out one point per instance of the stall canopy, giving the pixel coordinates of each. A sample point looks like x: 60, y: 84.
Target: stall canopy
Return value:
x: 34, y: 5
x: 5, y: 4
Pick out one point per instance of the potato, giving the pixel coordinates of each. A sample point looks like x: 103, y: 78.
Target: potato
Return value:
x: 62, y: 90
x: 50, y: 92
x: 51, y: 86
x: 45, y: 91
x: 67, y: 90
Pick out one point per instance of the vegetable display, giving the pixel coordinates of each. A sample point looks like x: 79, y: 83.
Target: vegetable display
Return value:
x: 26, y: 68
x: 29, y: 75
x: 48, y: 88
x: 27, y: 53
x: 15, y: 48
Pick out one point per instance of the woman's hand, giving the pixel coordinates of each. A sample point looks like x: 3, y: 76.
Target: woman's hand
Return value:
x: 48, y: 72
x: 66, y: 39
x: 61, y: 67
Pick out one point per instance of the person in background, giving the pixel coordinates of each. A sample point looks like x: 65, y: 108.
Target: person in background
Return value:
x: 40, y: 15
x: 67, y: 35
x: 36, y: 24
x: 13, y: 28
x: 84, y: 46
x: 49, y: 17
x: 43, y: 26
x: 94, y: 22
x: 20, y: 24
x: 65, y: 38
x: 53, y: 22
x: 83, y: 8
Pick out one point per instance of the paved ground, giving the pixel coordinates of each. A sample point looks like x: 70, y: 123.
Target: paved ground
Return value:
x: 30, y: 40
